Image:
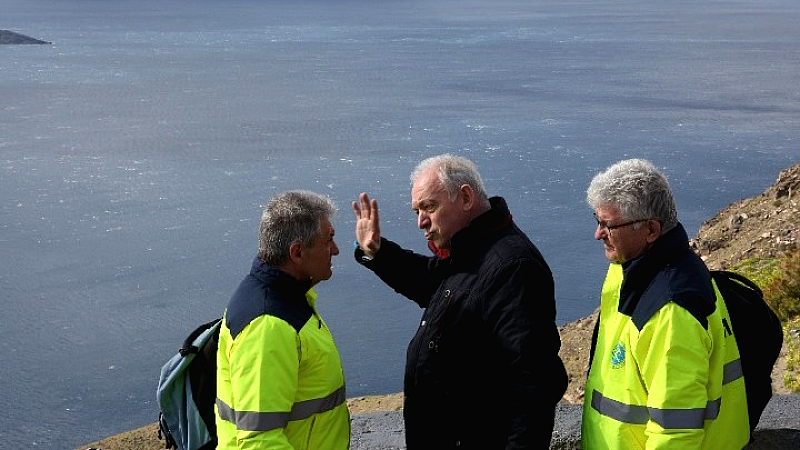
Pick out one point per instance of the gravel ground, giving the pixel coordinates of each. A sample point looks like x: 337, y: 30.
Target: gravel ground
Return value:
x: 779, y: 428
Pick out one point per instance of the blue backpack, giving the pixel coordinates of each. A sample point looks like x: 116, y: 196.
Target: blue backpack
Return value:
x: 187, y: 391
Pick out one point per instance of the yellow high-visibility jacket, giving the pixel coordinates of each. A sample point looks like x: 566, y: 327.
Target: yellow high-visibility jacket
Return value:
x: 665, y: 371
x: 280, y: 382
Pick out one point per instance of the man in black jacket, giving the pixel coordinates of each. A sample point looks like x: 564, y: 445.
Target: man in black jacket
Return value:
x: 482, y: 371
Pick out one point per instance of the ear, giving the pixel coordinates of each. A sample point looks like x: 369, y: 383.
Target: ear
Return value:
x: 467, y: 197
x: 295, y: 252
x: 653, y: 230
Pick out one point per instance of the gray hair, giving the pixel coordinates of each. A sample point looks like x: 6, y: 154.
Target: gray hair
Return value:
x: 293, y: 216
x: 454, y: 172
x: 638, y: 189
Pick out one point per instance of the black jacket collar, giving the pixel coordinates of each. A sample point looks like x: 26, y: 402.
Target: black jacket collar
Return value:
x: 640, y: 271
x: 466, y: 241
x: 278, y: 280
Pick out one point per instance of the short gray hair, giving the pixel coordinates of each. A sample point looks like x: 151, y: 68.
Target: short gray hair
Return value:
x: 454, y: 172
x: 293, y: 216
x: 638, y: 189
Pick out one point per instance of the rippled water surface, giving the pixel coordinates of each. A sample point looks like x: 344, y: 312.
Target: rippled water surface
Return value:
x: 136, y: 152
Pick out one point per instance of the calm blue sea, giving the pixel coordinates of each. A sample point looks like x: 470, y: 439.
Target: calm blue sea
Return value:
x: 137, y: 150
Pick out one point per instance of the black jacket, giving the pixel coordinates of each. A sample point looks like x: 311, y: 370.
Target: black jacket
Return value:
x: 482, y: 371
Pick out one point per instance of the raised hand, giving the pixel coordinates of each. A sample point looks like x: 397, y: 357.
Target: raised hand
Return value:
x: 368, y: 228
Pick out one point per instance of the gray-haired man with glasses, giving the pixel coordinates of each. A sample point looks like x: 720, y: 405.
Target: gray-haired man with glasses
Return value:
x: 661, y: 373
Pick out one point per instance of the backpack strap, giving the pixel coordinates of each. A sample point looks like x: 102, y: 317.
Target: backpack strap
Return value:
x: 188, y: 346
x: 736, y: 277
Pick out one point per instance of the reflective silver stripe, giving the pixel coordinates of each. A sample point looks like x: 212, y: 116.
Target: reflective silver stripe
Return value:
x: 670, y: 419
x: 252, y: 420
x: 305, y: 409
x: 667, y: 418
x: 732, y: 371
x: 265, y: 421
x: 712, y: 409
x: 622, y: 412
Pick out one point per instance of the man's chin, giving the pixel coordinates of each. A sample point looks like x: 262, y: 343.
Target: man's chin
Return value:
x: 439, y: 244
x: 323, y: 278
x: 612, y: 256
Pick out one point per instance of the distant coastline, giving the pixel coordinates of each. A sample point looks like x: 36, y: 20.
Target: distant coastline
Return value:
x: 11, y: 38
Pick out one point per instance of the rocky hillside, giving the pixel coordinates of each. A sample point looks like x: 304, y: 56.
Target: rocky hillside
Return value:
x: 762, y: 226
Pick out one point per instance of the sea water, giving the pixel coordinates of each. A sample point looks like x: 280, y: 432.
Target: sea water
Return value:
x: 137, y: 151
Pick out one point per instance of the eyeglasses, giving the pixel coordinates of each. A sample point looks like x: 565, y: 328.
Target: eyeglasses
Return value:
x: 608, y: 228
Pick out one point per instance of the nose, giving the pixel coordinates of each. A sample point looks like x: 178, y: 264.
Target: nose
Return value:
x: 423, y: 221
x: 334, y: 249
x: 599, y: 232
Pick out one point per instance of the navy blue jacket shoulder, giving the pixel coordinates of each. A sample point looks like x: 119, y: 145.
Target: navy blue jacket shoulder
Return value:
x: 267, y: 290
x: 668, y: 272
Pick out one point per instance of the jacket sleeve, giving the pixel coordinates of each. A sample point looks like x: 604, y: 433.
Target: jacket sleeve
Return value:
x: 264, y: 373
x: 673, y: 353
x: 520, y: 308
x: 408, y: 273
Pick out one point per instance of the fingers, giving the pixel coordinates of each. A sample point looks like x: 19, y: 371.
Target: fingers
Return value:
x: 374, y: 216
x: 360, y: 205
x: 365, y: 204
x: 365, y: 208
x: 368, y: 231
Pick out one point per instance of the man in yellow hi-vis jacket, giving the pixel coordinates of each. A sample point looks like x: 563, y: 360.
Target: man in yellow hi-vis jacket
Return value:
x: 280, y: 382
x: 665, y: 370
